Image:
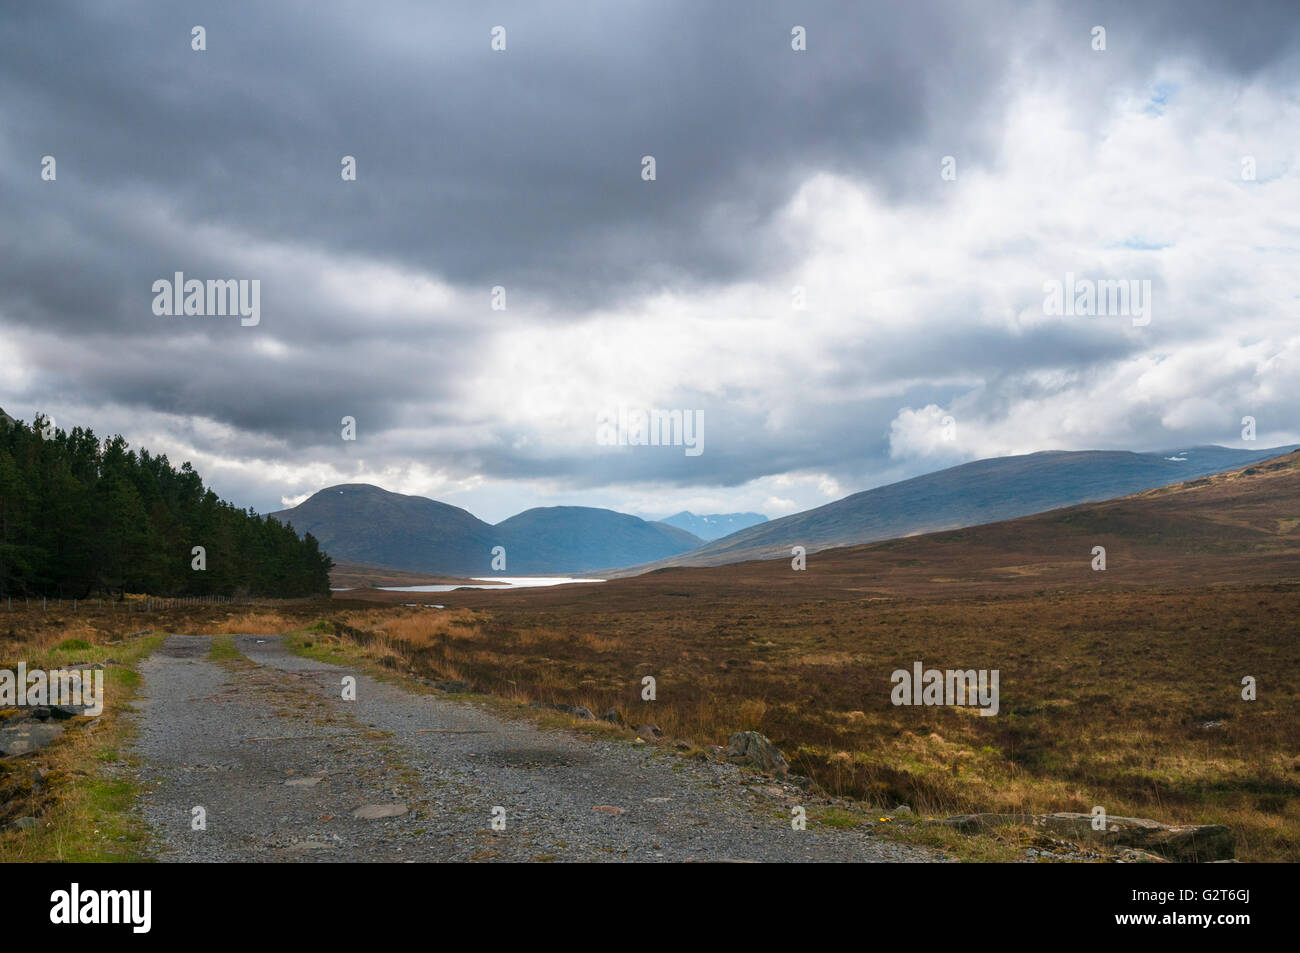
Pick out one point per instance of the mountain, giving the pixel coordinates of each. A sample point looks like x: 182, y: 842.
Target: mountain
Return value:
x: 1236, y: 528
x: 984, y: 491
x: 1240, y: 527
x: 365, y: 524
x: 5, y: 418
x: 714, y: 526
x: 362, y: 523
x: 581, y: 538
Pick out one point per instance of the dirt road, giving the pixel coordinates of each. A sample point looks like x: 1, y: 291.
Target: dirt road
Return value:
x: 284, y: 768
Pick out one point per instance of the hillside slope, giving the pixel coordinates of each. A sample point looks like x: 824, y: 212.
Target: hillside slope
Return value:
x: 1235, y: 528
x: 983, y: 491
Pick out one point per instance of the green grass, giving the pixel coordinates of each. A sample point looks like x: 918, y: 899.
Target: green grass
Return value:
x: 72, y: 645
x: 83, y: 811
x: 223, y: 649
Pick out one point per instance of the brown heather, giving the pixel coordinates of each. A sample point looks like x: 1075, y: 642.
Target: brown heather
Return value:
x: 1118, y: 688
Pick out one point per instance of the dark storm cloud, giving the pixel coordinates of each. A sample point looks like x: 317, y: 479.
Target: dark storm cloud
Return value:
x: 520, y: 169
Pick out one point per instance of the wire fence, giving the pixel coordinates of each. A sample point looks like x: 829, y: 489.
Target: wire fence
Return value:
x: 147, y: 604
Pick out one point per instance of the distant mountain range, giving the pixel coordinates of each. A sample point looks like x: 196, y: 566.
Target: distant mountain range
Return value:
x: 365, y: 524
x: 984, y: 491
x: 1238, y: 527
x: 715, y: 526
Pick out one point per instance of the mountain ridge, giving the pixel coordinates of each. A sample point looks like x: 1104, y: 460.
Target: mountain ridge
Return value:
x: 377, y: 527
x: 968, y: 494
x: 714, y: 525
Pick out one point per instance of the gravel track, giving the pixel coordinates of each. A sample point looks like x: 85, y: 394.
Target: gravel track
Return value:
x: 267, y: 746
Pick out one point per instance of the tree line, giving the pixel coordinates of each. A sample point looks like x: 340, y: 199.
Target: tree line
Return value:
x: 82, y: 517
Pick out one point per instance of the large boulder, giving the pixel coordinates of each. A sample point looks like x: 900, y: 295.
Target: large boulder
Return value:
x: 24, y: 737
x: 1191, y: 843
x: 753, y: 750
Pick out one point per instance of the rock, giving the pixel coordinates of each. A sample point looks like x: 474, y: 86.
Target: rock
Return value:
x: 752, y: 749
x: 1181, y: 842
x: 303, y: 782
x: 61, y: 712
x: 901, y: 809
x: 24, y: 824
x: 371, y: 812
x: 453, y: 687
x: 1130, y: 855
x: 608, y: 809
x: 613, y: 716
x: 26, y: 736
x: 650, y: 731
x: 578, y: 711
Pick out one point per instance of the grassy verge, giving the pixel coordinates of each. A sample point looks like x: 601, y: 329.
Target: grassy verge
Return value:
x: 77, y: 788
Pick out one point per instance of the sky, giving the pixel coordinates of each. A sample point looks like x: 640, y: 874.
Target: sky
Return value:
x: 841, y: 265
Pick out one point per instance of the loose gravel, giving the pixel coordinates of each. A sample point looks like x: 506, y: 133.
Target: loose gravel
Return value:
x: 285, y: 769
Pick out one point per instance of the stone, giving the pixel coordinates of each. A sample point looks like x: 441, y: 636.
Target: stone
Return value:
x: 62, y: 712
x: 453, y: 687
x: 1181, y: 842
x: 613, y: 716
x: 608, y: 809
x: 24, y: 824
x: 753, y: 750
x: 649, y: 731
x: 303, y: 782
x: 371, y: 812
x: 26, y: 737
x: 1130, y: 855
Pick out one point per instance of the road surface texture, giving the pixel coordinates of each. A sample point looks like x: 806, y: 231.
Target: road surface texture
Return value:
x: 284, y: 769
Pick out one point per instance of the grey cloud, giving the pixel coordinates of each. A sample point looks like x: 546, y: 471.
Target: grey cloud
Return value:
x: 520, y: 169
